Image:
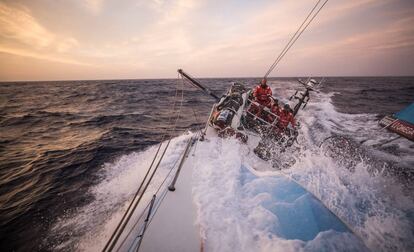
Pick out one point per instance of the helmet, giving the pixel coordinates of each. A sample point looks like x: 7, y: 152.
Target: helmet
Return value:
x: 286, y: 107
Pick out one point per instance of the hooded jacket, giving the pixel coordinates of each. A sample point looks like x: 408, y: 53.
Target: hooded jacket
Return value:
x: 262, y: 95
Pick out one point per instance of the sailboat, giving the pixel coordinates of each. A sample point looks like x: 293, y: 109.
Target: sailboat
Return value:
x: 401, y: 122
x: 169, y: 218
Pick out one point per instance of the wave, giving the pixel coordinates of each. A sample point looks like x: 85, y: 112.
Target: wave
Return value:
x: 373, y: 205
x: 37, y: 117
x: 232, y: 207
x: 49, y: 139
x: 371, y: 202
x: 90, y: 226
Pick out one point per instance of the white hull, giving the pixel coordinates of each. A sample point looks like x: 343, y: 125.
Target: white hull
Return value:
x: 301, y: 217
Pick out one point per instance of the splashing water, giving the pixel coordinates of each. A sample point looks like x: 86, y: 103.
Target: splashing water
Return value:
x: 91, y: 226
x: 358, y: 189
x: 352, y: 184
x: 373, y: 204
x: 233, y: 213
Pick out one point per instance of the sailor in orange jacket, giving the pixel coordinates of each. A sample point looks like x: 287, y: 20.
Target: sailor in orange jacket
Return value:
x: 262, y: 95
x: 275, y: 110
x: 285, y: 118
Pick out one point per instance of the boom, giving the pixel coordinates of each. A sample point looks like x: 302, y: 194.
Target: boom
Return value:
x: 197, y: 84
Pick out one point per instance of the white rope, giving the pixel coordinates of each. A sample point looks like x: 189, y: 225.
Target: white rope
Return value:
x: 142, y: 213
x: 295, y: 37
x: 127, y: 215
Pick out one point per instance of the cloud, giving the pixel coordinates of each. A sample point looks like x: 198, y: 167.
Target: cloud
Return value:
x: 256, y: 44
x: 348, y: 6
x: 150, y: 38
x: 66, y: 45
x: 22, y: 35
x: 184, y: 35
x: 269, y: 29
x: 94, y: 6
x: 396, y: 35
x: 18, y: 25
x: 41, y: 56
x: 169, y: 35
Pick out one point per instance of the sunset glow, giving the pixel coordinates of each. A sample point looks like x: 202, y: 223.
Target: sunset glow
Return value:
x: 103, y: 39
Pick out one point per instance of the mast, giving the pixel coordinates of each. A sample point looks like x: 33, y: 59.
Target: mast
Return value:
x: 303, y: 98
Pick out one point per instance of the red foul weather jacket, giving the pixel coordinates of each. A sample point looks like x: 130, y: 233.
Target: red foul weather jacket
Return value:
x: 276, y: 111
x: 285, y: 119
x: 262, y: 95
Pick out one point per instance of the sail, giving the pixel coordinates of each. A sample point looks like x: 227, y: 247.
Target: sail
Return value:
x: 406, y: 114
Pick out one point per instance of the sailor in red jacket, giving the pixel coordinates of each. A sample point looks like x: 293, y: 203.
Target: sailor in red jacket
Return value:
x: 262, y: 94
x: 285, y: 118
x: 262, y: 98
x: 275, y: 111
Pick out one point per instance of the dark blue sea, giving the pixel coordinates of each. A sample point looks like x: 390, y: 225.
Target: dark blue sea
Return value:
x: 57, y: 137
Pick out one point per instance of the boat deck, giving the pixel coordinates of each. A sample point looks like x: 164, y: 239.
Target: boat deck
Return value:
x: 174, y: 227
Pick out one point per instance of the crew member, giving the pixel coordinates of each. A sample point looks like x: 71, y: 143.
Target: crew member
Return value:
x: 262, y: 95
x: 275, y: 109
x: 286, y: 117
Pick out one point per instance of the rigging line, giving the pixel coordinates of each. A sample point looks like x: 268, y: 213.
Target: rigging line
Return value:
x: 313, y: 17
x: 199, y: 132
x: 294, y: 35
x: 161, y: 198
x: 310, y: 21
x: 200, y: 128
x: 149, y: 180
x: 142, y: 214
x: 295, y: 39
x: 151, y: 217
x: 157, y: 206
x: 146, y: 221
x: 181, y: 104
x: 111, y: 243
x: 134, y: 205
x: 159, y: 162
x: 174, y: 106
x: 165, y: 192
x: 290, y: 44
x: 192, y: 84
x: 140, y: 196
x: 122, y: 227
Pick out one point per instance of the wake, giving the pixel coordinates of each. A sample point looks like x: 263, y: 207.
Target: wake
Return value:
x: 355, y: 188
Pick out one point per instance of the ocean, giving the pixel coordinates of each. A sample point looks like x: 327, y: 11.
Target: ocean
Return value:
x: 62, y: 141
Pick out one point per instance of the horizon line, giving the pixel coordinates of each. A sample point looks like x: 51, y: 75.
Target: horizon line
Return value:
x: 234, y: 77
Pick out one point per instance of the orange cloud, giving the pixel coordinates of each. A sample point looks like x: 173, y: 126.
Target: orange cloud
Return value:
x: 140, y: 38
x: 22, y: 35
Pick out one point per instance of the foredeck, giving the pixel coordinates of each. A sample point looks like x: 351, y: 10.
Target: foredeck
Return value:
x: 174, y: 227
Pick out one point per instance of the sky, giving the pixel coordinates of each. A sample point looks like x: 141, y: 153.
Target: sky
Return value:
x: 138, y: 39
